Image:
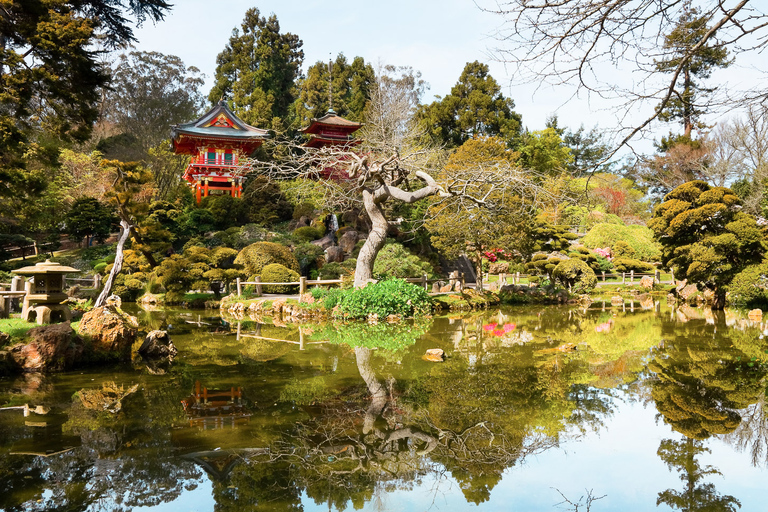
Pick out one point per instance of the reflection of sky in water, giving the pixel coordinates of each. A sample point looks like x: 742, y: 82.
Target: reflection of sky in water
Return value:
x: 619, y: 462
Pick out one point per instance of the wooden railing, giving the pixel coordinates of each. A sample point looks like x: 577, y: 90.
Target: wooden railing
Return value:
x: 303, y: 283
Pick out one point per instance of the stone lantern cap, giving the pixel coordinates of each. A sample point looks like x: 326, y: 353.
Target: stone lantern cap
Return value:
x: 47, y: 267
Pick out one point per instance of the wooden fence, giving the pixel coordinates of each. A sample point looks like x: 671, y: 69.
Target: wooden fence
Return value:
x: 515, y: 278
x: 303, y: 283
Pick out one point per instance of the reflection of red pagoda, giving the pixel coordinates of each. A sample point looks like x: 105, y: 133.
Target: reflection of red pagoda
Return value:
x: 208, y: 408
x: 331, y: 129
x: 219, y: 143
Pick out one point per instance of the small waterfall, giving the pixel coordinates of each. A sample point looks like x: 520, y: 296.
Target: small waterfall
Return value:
x: 333, y: 223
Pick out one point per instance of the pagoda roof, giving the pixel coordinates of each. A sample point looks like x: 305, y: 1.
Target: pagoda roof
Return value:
x: 330, y: 119
x: 219, y: 123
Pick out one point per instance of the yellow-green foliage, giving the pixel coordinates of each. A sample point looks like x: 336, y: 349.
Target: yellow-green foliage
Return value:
x: 750, y: 286
x: 639, y: 238
x: 575, y: 274
x: 705, y: 237
x: 307, y: 233
x: 257, y: 256
x: 276, y: 273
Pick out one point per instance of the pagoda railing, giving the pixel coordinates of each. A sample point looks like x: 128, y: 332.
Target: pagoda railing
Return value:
x: 219, y: 160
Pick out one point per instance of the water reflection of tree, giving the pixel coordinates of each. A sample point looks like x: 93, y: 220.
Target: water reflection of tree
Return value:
x: 696, y: 496
x: 702, y: 380
x: 705, y: 381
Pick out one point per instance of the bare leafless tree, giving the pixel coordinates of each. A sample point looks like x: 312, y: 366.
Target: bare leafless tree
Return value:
x: 582, y: 43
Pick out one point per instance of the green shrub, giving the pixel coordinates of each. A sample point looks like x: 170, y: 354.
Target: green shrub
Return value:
x: 307, y: 234
x: 542, y: 265
x: 276, y: 273
x: 394, y: 260
x: 629, y: 265
x: 750, y: 286
x: 328, y: 297
x: 575, y: 275
x: 390, y: 297
x: 338, y: 270
x: 639, y: 238
x: 100, y: 267
x: 622, y: 249
x: 257, y: 256
x: 305, y: 209
x: 307, y: 254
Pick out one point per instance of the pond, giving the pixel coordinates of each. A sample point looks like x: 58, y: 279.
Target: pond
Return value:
x: 533, y: 409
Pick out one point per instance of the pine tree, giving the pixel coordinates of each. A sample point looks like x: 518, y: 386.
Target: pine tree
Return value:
x: 257, y: 71
x: 475, y: 107
x: 351, y: 85
x: 687, y: 104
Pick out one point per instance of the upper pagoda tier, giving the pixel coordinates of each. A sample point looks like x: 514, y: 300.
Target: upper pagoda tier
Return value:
x: 331, y: 129
x: 220, y: 127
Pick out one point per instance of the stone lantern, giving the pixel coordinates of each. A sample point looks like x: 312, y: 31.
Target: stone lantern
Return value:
x: 45, y: 293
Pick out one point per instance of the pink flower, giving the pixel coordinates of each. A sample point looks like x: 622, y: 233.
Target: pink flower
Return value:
x: 509, y: 327
x: 498, y: 332
x: 489, y: 327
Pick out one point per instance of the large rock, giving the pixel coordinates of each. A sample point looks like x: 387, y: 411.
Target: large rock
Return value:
x: 51, y: 347
x: 499, y: 267
x: 646, y: 282
x: 348, y: 241
x: 158, y: 346
x: 325, y: 242
x: 688, y: 291
x: 334, y: 254
x: 110, y: 329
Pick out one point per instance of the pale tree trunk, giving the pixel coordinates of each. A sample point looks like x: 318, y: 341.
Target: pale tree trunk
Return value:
x: 479, y: 272
x: 117, y: 267
x: 375, y: 388
x: 376, y: 239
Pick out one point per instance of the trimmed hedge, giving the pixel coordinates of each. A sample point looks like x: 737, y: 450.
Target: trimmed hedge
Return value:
x: 276, y: 273
x: 639, y: 238
x: 257, y: 256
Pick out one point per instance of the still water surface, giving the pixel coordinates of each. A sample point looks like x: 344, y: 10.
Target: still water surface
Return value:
x: 534, y: 409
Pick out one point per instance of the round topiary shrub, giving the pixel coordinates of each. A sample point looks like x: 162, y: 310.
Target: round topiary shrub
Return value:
x: 257, y: 256
x: 750, y: 286
x: 575, y: 274
x: 307, y: 234
x: 276, y: 273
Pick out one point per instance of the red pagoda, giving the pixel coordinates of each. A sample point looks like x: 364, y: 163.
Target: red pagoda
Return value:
x: 331, y: 129
x: 220, y: 144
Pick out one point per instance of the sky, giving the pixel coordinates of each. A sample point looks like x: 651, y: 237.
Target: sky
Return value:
x: 435, y: 37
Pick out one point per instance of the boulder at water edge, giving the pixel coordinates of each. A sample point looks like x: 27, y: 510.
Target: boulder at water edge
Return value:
x: 51, y: 347
x: 110, y: 329
x: 158, y: 346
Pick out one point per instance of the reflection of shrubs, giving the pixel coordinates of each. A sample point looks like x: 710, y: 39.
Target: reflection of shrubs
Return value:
x: 576, y: 275
x: 306, y: 392
x: 750, y: 286
x: 389, y: 337
x: 276, y: 273
x: 390, y: 297
x: 257, y: 256
x: 395, y: 261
